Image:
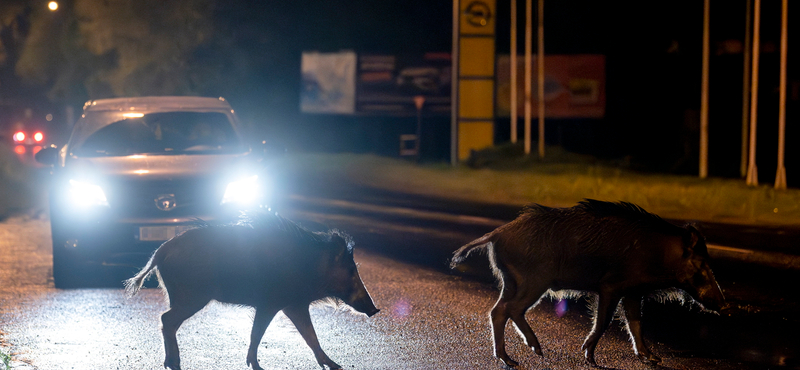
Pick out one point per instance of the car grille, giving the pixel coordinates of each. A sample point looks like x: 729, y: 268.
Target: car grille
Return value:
x: 191, y: 197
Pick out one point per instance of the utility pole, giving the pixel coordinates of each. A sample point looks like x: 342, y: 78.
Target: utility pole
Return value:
x: 704, y: 93
x: 513, y: 70
x: 752, y: 172
x: 748, y: 41
x: 528, y: 82
x: 780, y: 177
x: 540, y: 78
x: 454, y: 88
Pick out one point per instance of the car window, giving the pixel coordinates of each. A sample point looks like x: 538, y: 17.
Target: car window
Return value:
x: 163, y: 133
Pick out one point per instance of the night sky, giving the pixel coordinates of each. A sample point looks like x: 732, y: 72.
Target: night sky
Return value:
x: 653, y: 66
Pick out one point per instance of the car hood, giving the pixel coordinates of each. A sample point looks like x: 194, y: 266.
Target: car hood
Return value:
x: 158, y: 167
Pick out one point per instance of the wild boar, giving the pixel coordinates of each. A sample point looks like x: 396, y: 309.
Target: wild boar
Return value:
x: 617, y: 250
x: 264, y: 261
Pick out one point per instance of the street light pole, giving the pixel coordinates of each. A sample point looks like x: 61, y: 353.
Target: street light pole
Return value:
x: 704, y: 93
x: 540, y: 65
x: 513, y: 70
x: 780, y: 177
x: 528, y: 82
x: 748, y: 41
x: 752, y: 172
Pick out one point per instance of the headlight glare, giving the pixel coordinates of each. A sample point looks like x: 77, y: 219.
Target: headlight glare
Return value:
x: 84, y: 194
x: 242, y: 192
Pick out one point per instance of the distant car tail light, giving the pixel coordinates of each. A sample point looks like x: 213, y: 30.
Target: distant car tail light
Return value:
x: 19, y: 136
x: 38, y: 137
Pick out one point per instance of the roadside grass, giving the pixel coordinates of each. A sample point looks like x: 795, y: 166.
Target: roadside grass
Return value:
x: 562, y: 181
x: 5, y: 356
x: 5, y: 359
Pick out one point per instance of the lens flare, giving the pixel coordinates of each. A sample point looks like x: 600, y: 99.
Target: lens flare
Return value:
x: 562, y: 307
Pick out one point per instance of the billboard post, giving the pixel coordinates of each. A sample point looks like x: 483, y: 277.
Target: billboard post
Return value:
x: 473, y: 101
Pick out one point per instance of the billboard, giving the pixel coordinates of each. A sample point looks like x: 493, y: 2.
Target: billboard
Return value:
x: 574, y: 86
x: 328, y: 82
x: 387, y: 84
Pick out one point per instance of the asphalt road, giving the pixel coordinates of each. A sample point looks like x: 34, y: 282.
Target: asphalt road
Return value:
x: 431, y: 318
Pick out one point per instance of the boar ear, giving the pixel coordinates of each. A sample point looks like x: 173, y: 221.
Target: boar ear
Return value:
x: 342, y: 244
x: 694, y: 242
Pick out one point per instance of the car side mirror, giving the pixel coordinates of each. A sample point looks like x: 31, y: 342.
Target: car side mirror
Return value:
x: 47, y: 156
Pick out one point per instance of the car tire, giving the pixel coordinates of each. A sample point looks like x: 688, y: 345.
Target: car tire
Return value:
x: 66, y: 270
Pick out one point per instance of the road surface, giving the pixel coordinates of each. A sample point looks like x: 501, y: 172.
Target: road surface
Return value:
x: 430, y: 319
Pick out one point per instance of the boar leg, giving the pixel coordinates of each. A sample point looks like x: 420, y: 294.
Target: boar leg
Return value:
x: 302, y: 321
x: 170, y: 322
x: 260, y: 323
x: 633, y: 315
x: 516, y: 308
x: 606, y: 306
x: 499, y: 320
x: 514, y: 301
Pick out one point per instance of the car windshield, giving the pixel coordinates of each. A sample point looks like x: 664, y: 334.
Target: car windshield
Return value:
x: 163, y: 133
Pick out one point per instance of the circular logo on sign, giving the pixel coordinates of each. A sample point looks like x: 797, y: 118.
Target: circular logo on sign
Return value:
x: 165, y: 202
x: 478, y: 13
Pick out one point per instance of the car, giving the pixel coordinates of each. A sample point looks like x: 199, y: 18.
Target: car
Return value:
x: 138, y: 171
x: 27, y: 130
x: 29, y: 137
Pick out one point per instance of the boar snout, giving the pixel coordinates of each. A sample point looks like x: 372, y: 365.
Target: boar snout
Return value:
x: 362, y: 302
x: 711, y: 297
x: 372, y: 312
x: 366, y: 307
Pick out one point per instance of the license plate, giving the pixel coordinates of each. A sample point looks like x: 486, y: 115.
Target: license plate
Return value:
x: 161, y: 233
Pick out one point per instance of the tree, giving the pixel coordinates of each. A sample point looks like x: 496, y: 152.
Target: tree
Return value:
x: 14, y: 29
x: 90, y: 49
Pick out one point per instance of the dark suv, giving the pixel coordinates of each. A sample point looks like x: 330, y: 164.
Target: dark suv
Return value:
x: 138, y: 171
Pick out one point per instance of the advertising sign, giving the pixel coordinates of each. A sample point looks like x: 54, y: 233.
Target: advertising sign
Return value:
x: 328, y: 82
x: 387, y: 84
x: 574, y: 86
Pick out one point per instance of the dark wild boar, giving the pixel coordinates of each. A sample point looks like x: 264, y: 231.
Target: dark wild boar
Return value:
x: 617, y: 250
x: 264, y: 261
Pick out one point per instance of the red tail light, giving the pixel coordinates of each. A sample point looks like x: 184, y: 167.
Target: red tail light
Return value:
x: 19, y: 149
x: 38, y: 137
x: 19, y: 136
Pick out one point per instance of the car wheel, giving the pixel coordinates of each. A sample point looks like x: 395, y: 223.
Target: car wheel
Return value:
x: 66, y: 269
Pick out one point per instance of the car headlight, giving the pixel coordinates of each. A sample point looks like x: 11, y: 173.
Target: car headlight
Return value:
x: 243, y: 192
x: 84, y: 194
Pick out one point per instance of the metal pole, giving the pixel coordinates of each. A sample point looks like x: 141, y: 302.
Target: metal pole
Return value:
x: 528, y: 77
x: 454, y: 86
x: 419, y: 103
x: 748, y: 41
x: 540, y: 78
x: 513, y: 68
x: 780, y: 177
x: 752, y: 171
x: 704, y: 93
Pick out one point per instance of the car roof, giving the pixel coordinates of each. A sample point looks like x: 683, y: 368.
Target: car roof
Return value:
x: 156, y: 103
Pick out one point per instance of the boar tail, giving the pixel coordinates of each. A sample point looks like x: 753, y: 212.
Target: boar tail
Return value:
x: 135, y: 283
x: 462, y: 253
